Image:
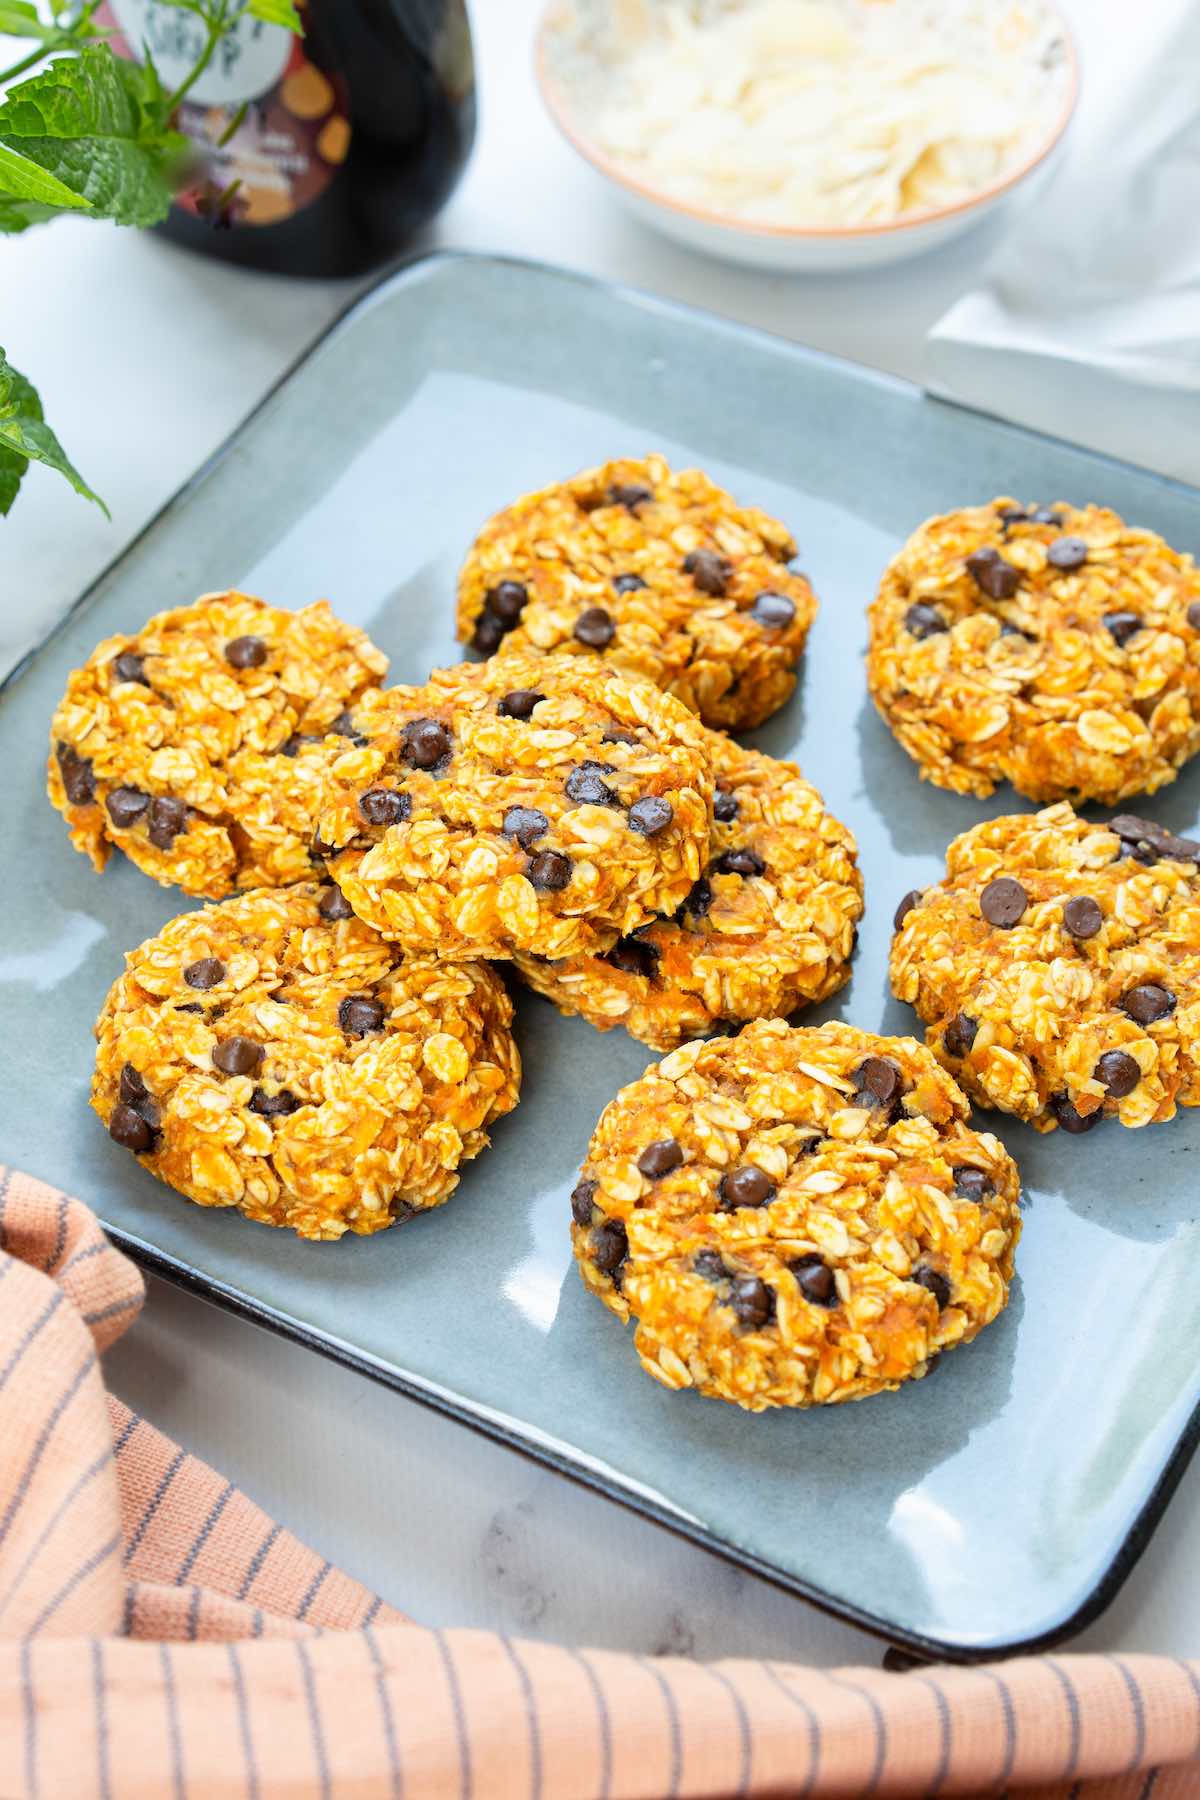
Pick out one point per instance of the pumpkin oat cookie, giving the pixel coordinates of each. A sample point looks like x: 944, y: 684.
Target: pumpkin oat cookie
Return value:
x: 769, y: 927
x: 661, y: 572
x: 1057, y: 968
x: 795, y: 1217
x: 1054, y: 647
x: 192, y: 747
x: 274, y: 1054
x: 527, y: 803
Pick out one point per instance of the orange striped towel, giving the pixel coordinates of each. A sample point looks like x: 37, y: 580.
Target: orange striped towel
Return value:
x: 160, y: 1636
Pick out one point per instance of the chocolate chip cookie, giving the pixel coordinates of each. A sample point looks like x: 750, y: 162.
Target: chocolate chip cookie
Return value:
x: 661, y: 572
x: 795, y: 1217
x: 274, y: 1054
x: 193, y: 746
x: 769, y: 927
x: 1057, y: 968
x: 1054, y: 647
x: 527, y: 803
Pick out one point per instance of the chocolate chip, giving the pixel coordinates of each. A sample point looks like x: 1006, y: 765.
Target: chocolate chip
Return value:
x: 617, y: 734
x: 1013, y: 515
x: 78, y: 778
x: 971, y: 1183
x: 582, y: 1195
x: 773, y: 611
x: 747, y: 1186
x: 549, y: 871
x: 959, y: 1035
x: 1144, y: 832
x: 1070, y: 1120
x: 609, y: 1246
x: 507, y: 600
x: 1066, y: 552
x: 627, y: 584
x: 1008, y: 629
x: 129, y: 666
x: 725, y: 1028
x: 1003, y: 902
x: 911, y: 899
x: 237, y: 1056
x: 992, y: 575
x: 385, y: 806
x: 343, y: 726
x: 709, y: 571
x: 293, y: 744
x: 659, y: 1158
x: 519, y: 703
x: 710, y: 1264
x: 740, y: 862
x: 1047, y: 515
x: 132, y: 1088
x: 1121, y: 626
x: 246, y: 653
x: 586, y: 786
x: 195, y: 1007
x: 358, y: 1014
x: 273, y: 1106
x: 651, y: 815
x: 488, y: 634
x: 629, y: 495
x: 934, y: 1283
x: 125, y: 806
x: 1119, y: 1073
x: 130, y: 1130
x: 879, y: 1080
x: 633, y: 956
x: 1147, y: 1003
x: 595, y: 628
x: 425, y: 743
x: 725, y: 806
x: 698, y: 901
x: 167, y: 818
x: 922, y: 621
x: 333, y: 905
x: 525, y: 824
x: 204, y: 974
x: 815, y: 1280
x: 1082, y: 917
x: 752, y: 1301
x: 1193, y: 615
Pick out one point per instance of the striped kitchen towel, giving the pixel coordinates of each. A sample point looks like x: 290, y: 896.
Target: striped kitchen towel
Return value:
x: 159, y: 1635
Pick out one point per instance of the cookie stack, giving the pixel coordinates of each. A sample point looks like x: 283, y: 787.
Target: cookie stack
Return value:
x: 325, y: 1046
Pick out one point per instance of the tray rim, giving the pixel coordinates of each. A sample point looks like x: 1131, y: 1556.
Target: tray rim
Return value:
x: 186, y: 1275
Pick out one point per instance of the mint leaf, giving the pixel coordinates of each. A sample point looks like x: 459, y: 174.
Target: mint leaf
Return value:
x: 25, y: 437
x: 19, y: 215
x: 276, y: 12
x: 18, y: 19
x: 23, y: 178
x: 95, y: 125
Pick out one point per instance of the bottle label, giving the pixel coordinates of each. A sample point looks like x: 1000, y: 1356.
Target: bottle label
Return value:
x: 292, y: 137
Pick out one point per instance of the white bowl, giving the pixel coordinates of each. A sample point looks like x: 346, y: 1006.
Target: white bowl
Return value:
x: 806, y: 249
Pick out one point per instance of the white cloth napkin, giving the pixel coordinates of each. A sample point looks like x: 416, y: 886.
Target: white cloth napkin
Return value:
x: 1087, y: 322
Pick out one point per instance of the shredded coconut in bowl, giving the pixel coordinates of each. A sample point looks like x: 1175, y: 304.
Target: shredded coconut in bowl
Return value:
x: 812, y: 112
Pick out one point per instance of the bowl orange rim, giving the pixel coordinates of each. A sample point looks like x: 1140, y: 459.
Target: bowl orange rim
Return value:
x: 556, y: 106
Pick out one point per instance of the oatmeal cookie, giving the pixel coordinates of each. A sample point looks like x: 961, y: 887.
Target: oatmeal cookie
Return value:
x: 192, y: 746
x: 795, y: 1217
x: 1057, y: 968
x: 273, y: 1053
x: 661, y: 572
x: 1054, y: 647
x: 527, y: 803
x: 768, y: 928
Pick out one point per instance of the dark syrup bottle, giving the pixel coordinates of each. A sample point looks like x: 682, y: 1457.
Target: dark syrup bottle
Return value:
x: 350, y: 138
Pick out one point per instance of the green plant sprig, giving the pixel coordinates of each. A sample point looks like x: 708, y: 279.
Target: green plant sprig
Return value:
x: 94, y: 135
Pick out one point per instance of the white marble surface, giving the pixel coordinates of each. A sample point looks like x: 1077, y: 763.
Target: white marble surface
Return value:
x: 175, y: 351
